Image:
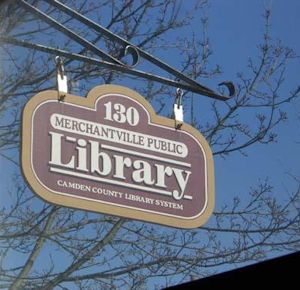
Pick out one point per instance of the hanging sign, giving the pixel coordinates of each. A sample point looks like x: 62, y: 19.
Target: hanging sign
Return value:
x: 110, y: 153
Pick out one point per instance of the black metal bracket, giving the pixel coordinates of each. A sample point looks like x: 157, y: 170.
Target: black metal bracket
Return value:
x: 182, y: 81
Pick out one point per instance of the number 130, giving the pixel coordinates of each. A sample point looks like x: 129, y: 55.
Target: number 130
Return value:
x: 120, y: 114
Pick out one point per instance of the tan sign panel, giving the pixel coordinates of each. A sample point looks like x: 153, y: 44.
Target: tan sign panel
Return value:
x: 111, y: 153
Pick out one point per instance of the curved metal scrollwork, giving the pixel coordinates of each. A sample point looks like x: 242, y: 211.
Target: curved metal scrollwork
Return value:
x: 109, y: 61
x: 131, y: 50
x: 229, y: 86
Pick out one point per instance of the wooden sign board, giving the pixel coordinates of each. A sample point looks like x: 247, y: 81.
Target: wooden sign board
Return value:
x: 111, y: 153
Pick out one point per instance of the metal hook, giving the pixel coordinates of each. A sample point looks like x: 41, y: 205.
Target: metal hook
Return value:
x: 62, y: 81
x: 178, y: 109
x: 179, y: 94
x: 59, y: 66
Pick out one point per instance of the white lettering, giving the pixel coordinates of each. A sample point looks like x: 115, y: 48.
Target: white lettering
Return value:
x: 118, y: 135
x: 56, y: 151
x: 143, y: 172
x: 120, y: 163
x: 82, y: 158
x: 97, y: 162
x: 162, y: 172
x: 182, y: 182
x: 96, y: 156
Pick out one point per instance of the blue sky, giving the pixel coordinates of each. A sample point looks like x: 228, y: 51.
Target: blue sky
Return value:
x: 237, y: 26
x: 235, y: 29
